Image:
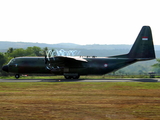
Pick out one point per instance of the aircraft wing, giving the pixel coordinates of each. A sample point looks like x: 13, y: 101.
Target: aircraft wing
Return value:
x: 69, y: 59
x: 66, y: 61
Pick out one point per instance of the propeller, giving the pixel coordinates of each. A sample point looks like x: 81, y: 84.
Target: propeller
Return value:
x: 46, y: 59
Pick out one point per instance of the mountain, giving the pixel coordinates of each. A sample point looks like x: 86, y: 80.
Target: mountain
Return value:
x: 85, y: 50
x: 6, y: 45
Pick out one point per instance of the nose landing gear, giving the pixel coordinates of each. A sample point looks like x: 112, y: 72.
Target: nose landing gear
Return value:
x: 17, y: 76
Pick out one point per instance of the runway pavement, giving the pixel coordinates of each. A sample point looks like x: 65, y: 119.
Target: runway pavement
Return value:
x: 83, y: 80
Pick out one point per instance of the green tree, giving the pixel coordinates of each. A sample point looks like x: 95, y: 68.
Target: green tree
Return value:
x: 29, y: 51
x: 34, y: 51
x: 37, y: 51
x: 157, y: 66
x: 2, y: 59
x: 10, y: 50
x: 18, y: 52
x: 45, y: 50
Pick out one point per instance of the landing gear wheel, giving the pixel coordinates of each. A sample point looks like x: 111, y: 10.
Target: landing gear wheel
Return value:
x: 76, y: 77
x: 17, y: 76
x: 72, y: 77
x: 67, y: 77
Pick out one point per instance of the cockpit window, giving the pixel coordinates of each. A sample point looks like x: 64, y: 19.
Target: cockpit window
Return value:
x: 11, y: 61
x: 14, y: 61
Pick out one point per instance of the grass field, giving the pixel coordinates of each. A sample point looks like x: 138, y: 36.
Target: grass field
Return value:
x: 80, y: 101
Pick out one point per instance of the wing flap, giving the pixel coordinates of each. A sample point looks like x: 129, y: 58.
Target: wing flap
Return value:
x: 68, y: 58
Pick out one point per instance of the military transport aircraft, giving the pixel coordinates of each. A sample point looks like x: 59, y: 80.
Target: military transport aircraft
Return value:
x: 73, y: 67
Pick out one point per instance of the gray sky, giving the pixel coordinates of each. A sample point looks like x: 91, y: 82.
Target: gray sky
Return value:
x: 78, y: 21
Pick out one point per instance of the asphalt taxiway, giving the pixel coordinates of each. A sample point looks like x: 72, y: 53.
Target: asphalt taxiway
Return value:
x: 83, y: 80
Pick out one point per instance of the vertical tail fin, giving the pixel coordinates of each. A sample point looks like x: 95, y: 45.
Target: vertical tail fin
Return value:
x: 143, y: 47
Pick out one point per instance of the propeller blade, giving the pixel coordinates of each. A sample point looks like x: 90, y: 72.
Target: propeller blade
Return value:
x: 46, y: 60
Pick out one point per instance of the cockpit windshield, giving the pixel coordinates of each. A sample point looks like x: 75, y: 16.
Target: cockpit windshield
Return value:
x: 11, y: 61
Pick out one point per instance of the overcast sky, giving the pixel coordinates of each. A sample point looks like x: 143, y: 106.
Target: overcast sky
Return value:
x: 78, y: 21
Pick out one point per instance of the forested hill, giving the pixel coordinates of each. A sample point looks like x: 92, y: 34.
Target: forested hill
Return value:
x: 85, y: 50
x: 6, y: 45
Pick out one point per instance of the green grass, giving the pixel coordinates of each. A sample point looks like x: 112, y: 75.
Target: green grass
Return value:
x: 80, y: 101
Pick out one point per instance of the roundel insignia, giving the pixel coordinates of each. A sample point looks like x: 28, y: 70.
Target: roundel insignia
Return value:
x: 105, y: 65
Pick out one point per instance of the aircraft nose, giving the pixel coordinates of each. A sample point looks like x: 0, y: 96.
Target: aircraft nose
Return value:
x: 5, y: 68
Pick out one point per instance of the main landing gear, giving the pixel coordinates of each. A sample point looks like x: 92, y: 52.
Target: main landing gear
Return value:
x: 66, y: 76
x: 72, y: 77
